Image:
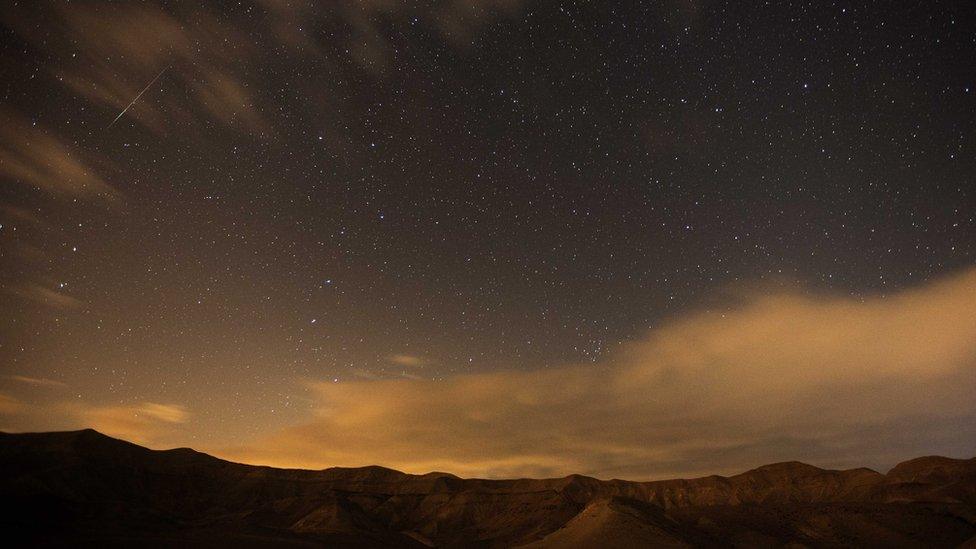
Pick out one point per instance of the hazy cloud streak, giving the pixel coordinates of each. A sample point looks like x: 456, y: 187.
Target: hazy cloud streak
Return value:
x: 38, y: 381
x: 32, y: 155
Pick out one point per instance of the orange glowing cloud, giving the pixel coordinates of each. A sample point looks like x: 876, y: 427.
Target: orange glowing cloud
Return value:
x: 144, y: 423
x: 831, y: 380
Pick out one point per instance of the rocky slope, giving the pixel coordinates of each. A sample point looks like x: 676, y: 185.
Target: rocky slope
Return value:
x: 84, y: 488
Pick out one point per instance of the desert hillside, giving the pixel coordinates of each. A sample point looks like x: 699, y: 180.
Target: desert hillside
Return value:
x: 84, y: 488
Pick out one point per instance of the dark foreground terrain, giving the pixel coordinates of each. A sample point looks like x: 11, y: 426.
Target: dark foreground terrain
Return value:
x: 83, y: 488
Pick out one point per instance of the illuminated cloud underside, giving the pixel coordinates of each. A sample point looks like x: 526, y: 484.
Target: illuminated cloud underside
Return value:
x: 785, y: 376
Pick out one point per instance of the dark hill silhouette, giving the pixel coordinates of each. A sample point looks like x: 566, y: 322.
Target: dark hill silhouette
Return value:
x: 83, y: 488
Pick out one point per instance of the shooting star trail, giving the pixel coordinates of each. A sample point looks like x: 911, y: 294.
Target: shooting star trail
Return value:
x: 137, y: 97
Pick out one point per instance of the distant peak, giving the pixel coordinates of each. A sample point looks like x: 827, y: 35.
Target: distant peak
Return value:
x: 578, y: 478
x: 380, y: 469
x: 368, y: 472
x: 926, y: 461
x: 788, y: 467
x: 88, y: 431
x: 923, y: 467
x: 440, y: 474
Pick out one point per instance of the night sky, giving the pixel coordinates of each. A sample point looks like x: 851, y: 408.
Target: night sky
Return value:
x: 497, y: 237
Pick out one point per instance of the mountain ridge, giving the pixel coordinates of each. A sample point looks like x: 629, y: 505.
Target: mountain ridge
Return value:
x: 90, y: 486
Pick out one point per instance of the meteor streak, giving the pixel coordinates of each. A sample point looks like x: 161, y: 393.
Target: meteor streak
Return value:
x: 137, y: 97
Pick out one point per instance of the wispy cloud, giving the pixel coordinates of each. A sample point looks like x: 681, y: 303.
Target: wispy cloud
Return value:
x: 33, y: 155
x: 145, y: 422
x: 23, y: 215
x: 46, y: 296
x: 216, y: 56
x: 406, y: 360
x: 10, y: 405
x: 229, y: 101
x: 150, y: 423
x: 832, y: 380
x: 458, y: 22
x: 122, y: 48
x: 38, y: 381
x: 170, y: 413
